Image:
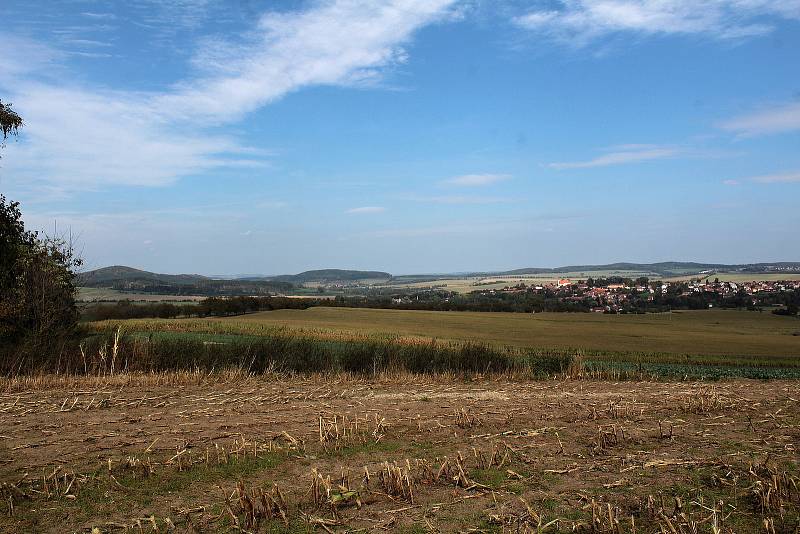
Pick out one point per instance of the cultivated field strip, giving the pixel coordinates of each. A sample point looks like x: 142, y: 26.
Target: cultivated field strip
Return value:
x: 171, y: 452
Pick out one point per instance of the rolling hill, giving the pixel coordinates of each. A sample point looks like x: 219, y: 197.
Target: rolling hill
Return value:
x: 667, y: 268
x: 129, y: 278
x: 331, y: 275
x: 108, y: 276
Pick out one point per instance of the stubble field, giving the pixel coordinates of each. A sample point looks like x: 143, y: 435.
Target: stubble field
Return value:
x: 403, y: 453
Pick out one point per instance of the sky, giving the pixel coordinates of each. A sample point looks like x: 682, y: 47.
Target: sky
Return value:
x: 411, y: 136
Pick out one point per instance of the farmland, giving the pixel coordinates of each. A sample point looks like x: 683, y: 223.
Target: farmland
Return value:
x: 341, y: 420
x: 398, y: 453
x: 701, y: 344
x: 713, y: 332
x: 99, y: 294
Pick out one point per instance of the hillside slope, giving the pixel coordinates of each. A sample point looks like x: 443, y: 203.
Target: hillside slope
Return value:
x: 108, y: 276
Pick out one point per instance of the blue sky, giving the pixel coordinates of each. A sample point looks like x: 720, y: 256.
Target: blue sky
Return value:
x: 227, y: 137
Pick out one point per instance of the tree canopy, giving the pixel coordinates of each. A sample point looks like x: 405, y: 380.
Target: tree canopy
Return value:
x: 10, y: 121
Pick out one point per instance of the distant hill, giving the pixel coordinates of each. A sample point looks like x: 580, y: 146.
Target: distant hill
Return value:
x: 128, y: 279
x: 108, y: 276
x: 330, y: 275
x: 667, y: 268
x: 119, y: 274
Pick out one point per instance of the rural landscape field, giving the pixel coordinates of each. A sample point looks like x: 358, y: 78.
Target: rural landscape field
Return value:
x: 199, y: 453
x: 287, y: 421
x: 399, y: 266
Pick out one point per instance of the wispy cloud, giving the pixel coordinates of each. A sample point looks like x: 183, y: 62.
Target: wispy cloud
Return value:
x: 87, y: 140
x: 782, y: 178
x: 366, y: 209
x: 620, y: 155
x: 461, y: 199
x: 343, y: 42
x: 87, y: 43
x: 731, y: 182
x: 99, y: 16
x: 582, y: 21
x: 779, y: 119
x: 90, y: 138
x: 476, y: 180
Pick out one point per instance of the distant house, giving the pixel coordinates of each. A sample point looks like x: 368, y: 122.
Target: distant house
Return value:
x: 564, y: 282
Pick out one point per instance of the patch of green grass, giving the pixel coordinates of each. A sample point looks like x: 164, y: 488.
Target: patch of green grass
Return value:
x: 549, y: 479
x: 548, y: 504
x: 571, y: 513
x: 516, y: 488
x: 102, y: 496
x: 295, y: 527
x: 486, y: 526
x: 416, y: 528
x: 364, y: 448
x: 494, y: 478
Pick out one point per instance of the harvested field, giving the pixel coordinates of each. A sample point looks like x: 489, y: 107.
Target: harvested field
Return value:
x: 719, y: 332
x: 209, y: 453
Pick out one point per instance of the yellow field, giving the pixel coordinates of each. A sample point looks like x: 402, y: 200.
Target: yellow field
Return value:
x: 717, y: 332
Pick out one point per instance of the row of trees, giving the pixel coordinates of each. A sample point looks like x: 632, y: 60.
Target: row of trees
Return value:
x: 210, y: 307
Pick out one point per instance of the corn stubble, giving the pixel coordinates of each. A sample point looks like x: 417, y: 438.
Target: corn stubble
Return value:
x: 346, y: 471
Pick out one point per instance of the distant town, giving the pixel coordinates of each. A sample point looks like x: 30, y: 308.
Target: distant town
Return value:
x: 616, y: 295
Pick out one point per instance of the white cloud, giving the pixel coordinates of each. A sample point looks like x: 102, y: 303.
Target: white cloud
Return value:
x: 89, y: 138
x: 730, y: 182
x: 366, y: 209
x: 621, y: 155
x: 779, y: 119
x: 784, y: 178
x: 99, y: 16
x: 475, y: 180
x: 342, y: 42
x: 84, y: 140
x: 581, y: 21
x: 462, y: 199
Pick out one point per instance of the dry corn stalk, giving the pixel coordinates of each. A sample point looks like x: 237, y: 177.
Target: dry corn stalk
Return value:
x: 396, y: 481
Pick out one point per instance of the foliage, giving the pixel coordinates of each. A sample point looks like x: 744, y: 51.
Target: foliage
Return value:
x: 37, y: 295
x: 10, y: 121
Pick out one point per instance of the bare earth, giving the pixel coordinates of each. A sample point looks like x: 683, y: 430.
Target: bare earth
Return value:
x: 487, y: 455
